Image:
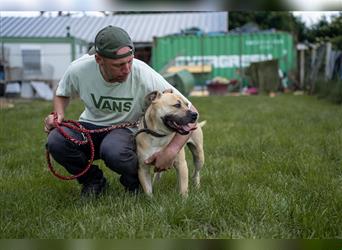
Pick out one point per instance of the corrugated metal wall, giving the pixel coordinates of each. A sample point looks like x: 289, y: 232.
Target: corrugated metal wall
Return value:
x: 141, y: 27
x: 225, y: 52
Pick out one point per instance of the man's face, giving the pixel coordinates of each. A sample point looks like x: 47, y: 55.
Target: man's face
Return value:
x: 116, y: 70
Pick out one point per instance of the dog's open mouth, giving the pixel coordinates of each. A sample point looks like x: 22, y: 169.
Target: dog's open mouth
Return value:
x: 178, y: 125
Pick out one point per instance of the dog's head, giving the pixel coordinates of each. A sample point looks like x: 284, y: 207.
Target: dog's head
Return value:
x: 168, y: 110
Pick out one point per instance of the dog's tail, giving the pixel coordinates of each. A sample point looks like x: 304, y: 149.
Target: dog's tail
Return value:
x: 202, y: 123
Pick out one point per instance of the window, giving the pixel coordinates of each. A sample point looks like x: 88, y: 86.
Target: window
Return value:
x: 31, y: 61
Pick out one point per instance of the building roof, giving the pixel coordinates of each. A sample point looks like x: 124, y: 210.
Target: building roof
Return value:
x: 141, y: 27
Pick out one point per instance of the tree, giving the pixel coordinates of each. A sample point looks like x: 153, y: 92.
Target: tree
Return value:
x: 324, y: 31
x: 279, y: 20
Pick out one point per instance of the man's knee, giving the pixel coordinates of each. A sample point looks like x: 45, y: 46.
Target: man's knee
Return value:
x: 55, y: 142
x: 58, y: 144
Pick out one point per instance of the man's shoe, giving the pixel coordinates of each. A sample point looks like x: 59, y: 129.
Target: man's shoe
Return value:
x: 132, y: 186
x: 94, y: 189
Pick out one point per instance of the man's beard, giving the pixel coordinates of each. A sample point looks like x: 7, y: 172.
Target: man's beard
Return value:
x: 111, y: 78
x: 118, y: 79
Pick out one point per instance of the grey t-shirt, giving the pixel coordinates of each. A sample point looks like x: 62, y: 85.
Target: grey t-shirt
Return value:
x: 110, y: 103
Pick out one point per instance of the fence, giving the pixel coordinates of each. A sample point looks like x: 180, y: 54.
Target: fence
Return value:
x: 324, y: 67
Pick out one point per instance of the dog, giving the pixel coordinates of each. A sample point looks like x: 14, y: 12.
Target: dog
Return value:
x: 166, y: 115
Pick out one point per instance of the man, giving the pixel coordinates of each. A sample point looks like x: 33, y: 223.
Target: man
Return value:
x: 112, y: 85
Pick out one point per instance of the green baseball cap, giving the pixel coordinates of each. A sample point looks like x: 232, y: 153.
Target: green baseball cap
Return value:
x: 109, y: 40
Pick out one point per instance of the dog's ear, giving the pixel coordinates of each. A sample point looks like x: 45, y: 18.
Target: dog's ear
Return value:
x: 168, y: 91
x: 149, y: 98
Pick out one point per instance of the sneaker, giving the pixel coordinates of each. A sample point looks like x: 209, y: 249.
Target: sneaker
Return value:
x: 94, y: 189
x: 131, y: 184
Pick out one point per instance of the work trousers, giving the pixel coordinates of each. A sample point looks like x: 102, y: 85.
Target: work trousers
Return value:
x: 116, y: 148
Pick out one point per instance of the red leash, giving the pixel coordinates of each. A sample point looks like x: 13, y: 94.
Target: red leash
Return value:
x: 76, y: 126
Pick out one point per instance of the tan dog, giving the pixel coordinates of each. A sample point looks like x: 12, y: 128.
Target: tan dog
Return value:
x: 167, y: 114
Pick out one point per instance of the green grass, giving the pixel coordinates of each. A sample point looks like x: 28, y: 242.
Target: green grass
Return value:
x: 273, y: 170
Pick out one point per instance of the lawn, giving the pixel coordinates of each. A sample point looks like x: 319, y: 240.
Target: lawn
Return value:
x: 273, y: 170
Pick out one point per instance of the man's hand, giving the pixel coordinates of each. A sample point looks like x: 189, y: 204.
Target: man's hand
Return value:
x: 49, y: 123
x: 162, y: 160
x: 59, y: 105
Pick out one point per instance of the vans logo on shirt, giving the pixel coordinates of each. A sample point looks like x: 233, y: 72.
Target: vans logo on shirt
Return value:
x: 115, y: 104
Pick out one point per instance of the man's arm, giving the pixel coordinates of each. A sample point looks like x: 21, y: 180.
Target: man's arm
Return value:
x: 163, y: 159
x: 60, y: 104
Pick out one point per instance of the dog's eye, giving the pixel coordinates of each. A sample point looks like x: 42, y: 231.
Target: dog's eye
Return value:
x: 178, y: 105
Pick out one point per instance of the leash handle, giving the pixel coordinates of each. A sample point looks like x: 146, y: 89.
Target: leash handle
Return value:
x: 76, y: 126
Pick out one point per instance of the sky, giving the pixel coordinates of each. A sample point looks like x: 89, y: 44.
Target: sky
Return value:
x: 312, y: 17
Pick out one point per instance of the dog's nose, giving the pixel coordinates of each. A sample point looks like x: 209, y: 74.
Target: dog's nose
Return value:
x: 194, y: 116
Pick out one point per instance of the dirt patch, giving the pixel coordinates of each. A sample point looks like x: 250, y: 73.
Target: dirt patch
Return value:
x: 6, y: 104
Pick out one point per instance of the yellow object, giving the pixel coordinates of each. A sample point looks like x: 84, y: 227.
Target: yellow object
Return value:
x: 193, y: 68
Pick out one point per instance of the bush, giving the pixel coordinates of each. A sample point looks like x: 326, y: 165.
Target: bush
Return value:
x: 331, y: 90
x: 336, y: 93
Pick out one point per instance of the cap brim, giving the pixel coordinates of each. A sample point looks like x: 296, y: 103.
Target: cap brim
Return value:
x: 92, y: 51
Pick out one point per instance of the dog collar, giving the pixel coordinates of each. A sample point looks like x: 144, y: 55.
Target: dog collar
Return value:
x: 147, y: 130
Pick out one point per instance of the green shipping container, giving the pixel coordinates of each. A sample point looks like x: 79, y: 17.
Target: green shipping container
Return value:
x: 224, y: 52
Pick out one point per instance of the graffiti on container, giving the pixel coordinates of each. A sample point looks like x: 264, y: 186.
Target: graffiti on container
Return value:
x: 222, y: 61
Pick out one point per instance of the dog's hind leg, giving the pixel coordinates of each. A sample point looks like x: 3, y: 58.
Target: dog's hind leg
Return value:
x: 145, y: 179
x: 198, y: 159
x: 157, y: 177
x: 182, y: 172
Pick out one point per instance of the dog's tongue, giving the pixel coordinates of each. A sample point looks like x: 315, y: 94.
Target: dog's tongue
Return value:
x: 187, y: 128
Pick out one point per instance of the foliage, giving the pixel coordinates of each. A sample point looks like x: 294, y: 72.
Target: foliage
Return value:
x: 324, y: 31
x: 279, y: 20
x: 331, y: 90
x: 337, y: 42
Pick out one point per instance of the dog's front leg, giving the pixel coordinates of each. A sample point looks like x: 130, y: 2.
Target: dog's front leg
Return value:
x: 182, y: 171
x: 145, y: 179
